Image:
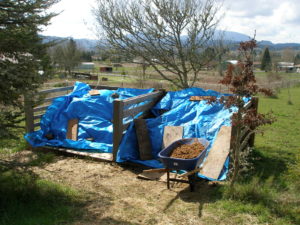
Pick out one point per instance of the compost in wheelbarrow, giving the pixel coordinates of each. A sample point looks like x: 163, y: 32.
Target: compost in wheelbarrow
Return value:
x: 182, y: 164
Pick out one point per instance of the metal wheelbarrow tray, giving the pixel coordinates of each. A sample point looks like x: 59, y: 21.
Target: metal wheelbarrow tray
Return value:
x: 182, y: 164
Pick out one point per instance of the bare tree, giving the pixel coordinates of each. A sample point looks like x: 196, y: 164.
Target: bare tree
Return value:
x: 171, y: 35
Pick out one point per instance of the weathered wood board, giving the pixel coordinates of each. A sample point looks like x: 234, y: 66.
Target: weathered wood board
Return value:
x: 171, y: 134
x: 94, y: 92
x: 158, y: 176
x: 218, y: 153
x: 72, y: 129
x: 199, y: 98
x: 97, y: 156
x: 144, y: 143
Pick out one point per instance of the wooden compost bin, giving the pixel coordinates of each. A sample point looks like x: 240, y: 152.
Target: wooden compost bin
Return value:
x: 33, y: 114
x: 120, y: 110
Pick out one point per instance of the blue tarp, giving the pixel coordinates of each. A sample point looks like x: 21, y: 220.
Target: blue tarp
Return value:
x: 199, y: 119
x: 93, y: 112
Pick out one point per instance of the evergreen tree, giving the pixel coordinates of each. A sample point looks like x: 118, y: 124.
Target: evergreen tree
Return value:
x: 266, y: 63
x: 67, y: 55
x: 22, y: 55
x: 297, y: 59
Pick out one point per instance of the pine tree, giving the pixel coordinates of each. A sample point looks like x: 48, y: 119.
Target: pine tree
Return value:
x: 266, y: 63
x: 297, y: 59
x: 22, y: 55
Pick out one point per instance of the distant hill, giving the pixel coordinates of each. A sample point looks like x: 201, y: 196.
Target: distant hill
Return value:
x: 83, y: 43
x: 229, y: 37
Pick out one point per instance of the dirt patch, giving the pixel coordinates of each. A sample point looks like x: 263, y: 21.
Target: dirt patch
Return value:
x: 187, y: 151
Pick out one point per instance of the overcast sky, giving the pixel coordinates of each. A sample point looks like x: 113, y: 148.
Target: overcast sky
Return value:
x: 274, y: 20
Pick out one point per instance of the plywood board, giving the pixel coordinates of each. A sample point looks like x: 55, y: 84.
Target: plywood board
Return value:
x: 97, y: 156
x: 199, y: 98
x: 218, y: 153
x: 144, y: 143
x: 94, y: 92
x: 156, y: 176
x: 72, y: 129
x: 171, y: 134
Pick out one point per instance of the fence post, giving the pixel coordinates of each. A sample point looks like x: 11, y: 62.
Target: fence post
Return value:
x: 118, y: 108
x: 28, y: 109
x: 255, y: 107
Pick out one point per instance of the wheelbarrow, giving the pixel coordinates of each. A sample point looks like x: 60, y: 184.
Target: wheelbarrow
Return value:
x: 183, y: 164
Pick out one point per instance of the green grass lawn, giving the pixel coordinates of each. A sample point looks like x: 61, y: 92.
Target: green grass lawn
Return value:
x: 268, y: 194
x: 271, y: 193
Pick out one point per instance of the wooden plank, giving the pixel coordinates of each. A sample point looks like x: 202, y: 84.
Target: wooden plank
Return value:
x: 94, y: 92
x: 99, y: 87
x: 50, y: 99
x: 255, y: 107
x: 141, y: 98
x: 199, y: 98
x: 144, y: 142
x: 72, y: 130
x: 97, y: 156
x: 36, y: 125
x: 218, y: 153
x: 141, y: 108
x: 56, y: 90
x: 158, y: 176
x: 118, y: 106
x: 38, y: 116
x: 41, y: 108
x: 28, y: 109
x: 171, y: 134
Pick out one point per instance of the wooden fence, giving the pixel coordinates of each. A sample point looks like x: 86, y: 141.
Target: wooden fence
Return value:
x: 121, y: 109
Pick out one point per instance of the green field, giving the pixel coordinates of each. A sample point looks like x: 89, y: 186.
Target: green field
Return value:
x: 267, y: 194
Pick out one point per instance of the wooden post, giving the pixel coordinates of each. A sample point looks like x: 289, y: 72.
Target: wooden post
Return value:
x: 254, y: 106
x: 28, y: 109
x: 118, y: 106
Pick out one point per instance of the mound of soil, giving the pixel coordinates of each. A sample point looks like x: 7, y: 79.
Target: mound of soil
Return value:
x: 187, y: 151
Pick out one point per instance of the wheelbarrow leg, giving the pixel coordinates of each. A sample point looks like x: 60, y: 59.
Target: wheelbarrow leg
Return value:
x: 192, y: 182
x: 168, y: 179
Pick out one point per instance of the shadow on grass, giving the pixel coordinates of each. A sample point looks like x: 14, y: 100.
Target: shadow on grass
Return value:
x: 26, y: 199
x: 204, y: 193
x: 267, y: 166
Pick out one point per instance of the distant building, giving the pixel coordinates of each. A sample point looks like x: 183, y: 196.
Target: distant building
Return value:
x: 86, y: 66
x: 285, y: 66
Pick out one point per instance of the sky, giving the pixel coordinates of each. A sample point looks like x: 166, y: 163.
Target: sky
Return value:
x: 273, y: 20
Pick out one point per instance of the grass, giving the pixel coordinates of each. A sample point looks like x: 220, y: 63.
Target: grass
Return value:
x: 26, y: 199
x: 269, y: 194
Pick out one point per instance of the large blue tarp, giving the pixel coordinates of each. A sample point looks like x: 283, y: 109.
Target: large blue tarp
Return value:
x: 94, y: 114
x: 198, y: 118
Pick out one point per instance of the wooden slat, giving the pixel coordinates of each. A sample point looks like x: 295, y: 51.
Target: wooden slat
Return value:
x: 94, y: 92
x: 36, y: 124
x: 38, y: 116
x: 200, y: 98
x: 41, y: 108
x: 144, y: 142
x: 97, y: 156
x: 28, y: 109
x: 171, y: 134
x: 141, y: 108
x: 142, y: 98
x: 99, y: 87
x: 248, y: 104
x: 50, y: 99
x: 72, y: 129
x: 118, y: 106
x: 56, y: 90
x: 218, y: 153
